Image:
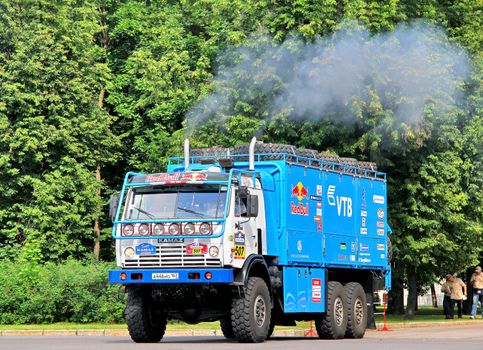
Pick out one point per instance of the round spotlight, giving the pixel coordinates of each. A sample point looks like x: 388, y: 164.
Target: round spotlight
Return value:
x: 189, y: 228
x: 205, y: 228
x: 158, y: 229
x: 174, y: 229
x: 143, y: 229
x: 128, y: 230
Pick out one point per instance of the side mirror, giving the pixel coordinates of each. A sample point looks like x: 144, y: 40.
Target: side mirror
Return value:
x: 113, y: 204
x: 252, y: 205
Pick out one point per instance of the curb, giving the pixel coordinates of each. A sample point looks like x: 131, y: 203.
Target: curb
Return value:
x: 215, y: 332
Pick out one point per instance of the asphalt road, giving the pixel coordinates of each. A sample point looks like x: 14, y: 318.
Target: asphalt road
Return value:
x: 467, y: 338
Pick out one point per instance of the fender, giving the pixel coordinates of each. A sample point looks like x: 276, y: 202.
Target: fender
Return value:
x: 254, y: 265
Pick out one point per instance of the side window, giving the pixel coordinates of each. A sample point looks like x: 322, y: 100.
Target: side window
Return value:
x: 240, y: 205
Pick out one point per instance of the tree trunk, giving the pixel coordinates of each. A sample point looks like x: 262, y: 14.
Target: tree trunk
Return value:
x: 97, y: 226
x: 412, y: 293
x: 396, y: 299
x: 434, y: 298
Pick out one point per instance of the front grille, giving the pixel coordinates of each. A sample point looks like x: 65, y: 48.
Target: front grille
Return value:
x: 171, y: 256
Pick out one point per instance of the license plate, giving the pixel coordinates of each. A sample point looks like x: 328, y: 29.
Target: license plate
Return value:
x: 165, y: 276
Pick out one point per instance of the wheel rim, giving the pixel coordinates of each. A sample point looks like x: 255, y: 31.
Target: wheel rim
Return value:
x: 259, y: 309
x: 338, y: 311
x: 359, y: 311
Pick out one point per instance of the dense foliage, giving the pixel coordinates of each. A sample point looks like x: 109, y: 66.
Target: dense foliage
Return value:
x: 90, y: 89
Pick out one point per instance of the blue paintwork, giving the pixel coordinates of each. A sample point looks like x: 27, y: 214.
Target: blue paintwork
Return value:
x: 218, y: 276
x: 304, y: 289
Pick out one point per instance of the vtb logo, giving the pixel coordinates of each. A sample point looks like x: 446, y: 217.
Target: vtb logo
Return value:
x: 344, y: 204
x: 300, y: 191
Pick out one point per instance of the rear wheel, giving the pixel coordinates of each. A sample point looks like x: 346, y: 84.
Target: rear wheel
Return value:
x: 356, y: 310
x: 333, y: 323
x: 250, y: 314
x: 146, y: 323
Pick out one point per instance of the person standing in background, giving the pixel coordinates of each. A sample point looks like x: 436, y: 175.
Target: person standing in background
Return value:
x: 446, y: 289
x: 477, y: 283
x: 458, y: 294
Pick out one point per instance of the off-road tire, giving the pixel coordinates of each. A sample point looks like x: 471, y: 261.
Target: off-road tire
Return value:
x: 356, y: 310
x: 333, y: 323
x: 146, y: 322
x: 227, y: 328
x: 250, y: 314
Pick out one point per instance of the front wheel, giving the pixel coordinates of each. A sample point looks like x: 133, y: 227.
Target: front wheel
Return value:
x: 333, y: 323
x: 251, y: 314
x: 145, y: 322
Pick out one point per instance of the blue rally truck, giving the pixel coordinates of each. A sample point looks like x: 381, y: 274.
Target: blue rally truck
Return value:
x: 254, y: 236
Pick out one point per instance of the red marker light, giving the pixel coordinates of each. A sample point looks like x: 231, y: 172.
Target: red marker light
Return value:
x: 208, y: 275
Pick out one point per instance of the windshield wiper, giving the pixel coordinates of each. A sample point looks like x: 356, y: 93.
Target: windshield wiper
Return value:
x: 151, y: 216
x: 201, y: 215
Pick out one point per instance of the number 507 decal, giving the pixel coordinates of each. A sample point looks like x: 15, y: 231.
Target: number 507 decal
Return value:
x: 239, y: 252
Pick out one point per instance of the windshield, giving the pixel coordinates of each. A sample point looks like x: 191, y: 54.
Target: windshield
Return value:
x: 177, y: 202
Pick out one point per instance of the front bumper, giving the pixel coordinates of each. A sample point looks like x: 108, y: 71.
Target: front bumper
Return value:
x: 170, y: 276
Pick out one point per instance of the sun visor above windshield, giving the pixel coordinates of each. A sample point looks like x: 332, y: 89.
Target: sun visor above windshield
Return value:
x: 174, y: 178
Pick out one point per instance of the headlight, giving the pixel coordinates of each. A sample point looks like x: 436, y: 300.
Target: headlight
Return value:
x: 128, y: 230
x: 174, y: 229
x: 158, y: 229
x: 213, y: 251
x: 205, y: 228
x: 129, y: 252
x: 143, y: 229
x: 189, y: 228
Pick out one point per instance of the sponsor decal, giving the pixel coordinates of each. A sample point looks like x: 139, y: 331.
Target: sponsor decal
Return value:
x: 363, y: 221
x: 342, y: 257
x: 352, y: 258
x: 163, y: 177
x: 319, y: 205
x: 353, y: 246
x: 196, y: 248
x: 319, y: 190
x: 363, y: 199
x: 380, y: 246
x: 383, y: 256
x: 343, y: 246
x: 317, y: 218
x: 239, y: 245
x: 299, y: 246
x: 319, y: 227
x: 316, y: 290
x: 363, y: 247
x: 194, y: 177
x: 145, y: 249
x: 239, y: 238
x: 300, y: 191
x: 364, y: 260
x: 363, y: 231
x: 380, y: 232
x: 380, y: 213
x: 319, y: 212
x: 378, y: 199
x: 380, y: 224
x: 363, y: 213
x: 344, y: 204
x: 299, y: 209
x: 171, y: 240
x: 315, y: 198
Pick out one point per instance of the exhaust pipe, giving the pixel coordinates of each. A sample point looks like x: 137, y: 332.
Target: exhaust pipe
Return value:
x: 251, y: 154
x: 186, y: 154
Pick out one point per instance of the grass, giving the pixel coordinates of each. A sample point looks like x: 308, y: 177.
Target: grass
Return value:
x: 424, y: 314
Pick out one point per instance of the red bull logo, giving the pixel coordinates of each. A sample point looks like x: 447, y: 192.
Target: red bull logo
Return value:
x: 299, y: 209
x: 300, y: 191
